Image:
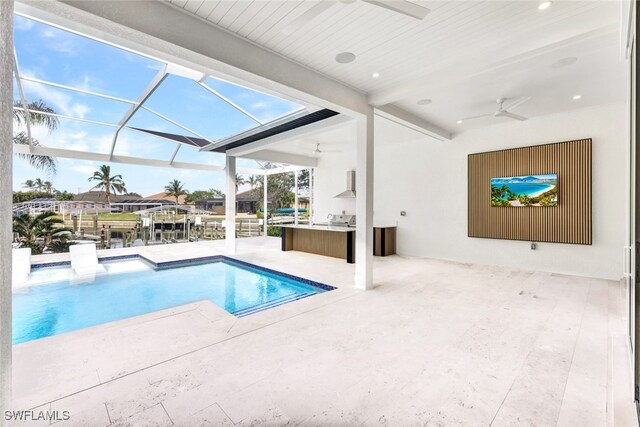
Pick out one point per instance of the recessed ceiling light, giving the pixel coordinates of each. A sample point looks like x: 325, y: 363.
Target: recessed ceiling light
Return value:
x: 576, y: 97
x: 544, y: 5
x: 345, y: 57
x: 424, y: 102
x: 375, y: 75
x: 564, y: 62
x: 459, y: 121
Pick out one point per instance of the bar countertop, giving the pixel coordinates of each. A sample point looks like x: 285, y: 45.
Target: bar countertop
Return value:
x: 325, y: 227
x: 320, y: 227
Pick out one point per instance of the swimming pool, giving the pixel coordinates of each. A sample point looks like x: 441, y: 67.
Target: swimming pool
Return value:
x: 55, y: 302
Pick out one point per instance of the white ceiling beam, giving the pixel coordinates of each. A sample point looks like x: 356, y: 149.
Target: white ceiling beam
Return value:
x: 254, y: 131
x: 285, y: 169
x: 482, y: 64
x: 292, y: 135
x: 75, y: 89
x: 404, y: 118
x: 106, y: 158
x: 192, y: 42
x: 281, y: 157
x: 173, y: 122
x: 230, y: 102
x: 23, y: 101
x: 148, y: 91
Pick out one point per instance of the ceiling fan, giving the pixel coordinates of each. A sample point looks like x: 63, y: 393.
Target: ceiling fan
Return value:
x: 503, y: 111
x: 404, y: 7
x: 318, y: 151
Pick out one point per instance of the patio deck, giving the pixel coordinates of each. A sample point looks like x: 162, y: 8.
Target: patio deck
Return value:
x: 435, y: 343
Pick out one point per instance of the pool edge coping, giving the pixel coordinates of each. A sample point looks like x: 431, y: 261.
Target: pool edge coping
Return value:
x: 194, y: 261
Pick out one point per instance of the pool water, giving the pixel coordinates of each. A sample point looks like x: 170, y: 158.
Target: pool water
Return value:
x: 132, y: 288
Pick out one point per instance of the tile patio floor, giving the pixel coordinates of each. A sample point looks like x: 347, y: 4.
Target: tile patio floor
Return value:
x: 436, y: 343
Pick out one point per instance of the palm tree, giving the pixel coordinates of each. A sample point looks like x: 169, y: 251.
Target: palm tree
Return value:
x: 38, y: 161
x: 216, y: 193
x: 37, y: 232
x: 29, y: 185
x: 253, y: 181
x: 239, y: 181
x: 108, y: 183
x: 47, y: 186
x: 175, y: 189
x: 38, y: 184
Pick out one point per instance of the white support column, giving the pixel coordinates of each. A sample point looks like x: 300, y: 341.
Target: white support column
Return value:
x: 230, y: 205
x: 364, y: 202
x: 265, y: 202
x: 296, y: 203
x: 6, y: 191
x: 310, y: 210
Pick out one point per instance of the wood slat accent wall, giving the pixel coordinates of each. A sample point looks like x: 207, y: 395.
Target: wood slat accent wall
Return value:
x: 569, y: 222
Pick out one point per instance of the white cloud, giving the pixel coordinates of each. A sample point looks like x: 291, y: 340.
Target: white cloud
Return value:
x: 261, y: 105
x: 59, y: 41
x: 59, y: 100
x: 22, y: 24
x: 84, y: 168
x: 33, y: 73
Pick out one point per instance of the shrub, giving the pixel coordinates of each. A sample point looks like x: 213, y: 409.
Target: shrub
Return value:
x: 274, y: 231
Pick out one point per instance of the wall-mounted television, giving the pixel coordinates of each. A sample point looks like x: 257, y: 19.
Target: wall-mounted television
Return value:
x: 526, y: 190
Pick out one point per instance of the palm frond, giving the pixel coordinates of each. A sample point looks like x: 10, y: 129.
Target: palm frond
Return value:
x: 36, y: 119
x: 38, y: 161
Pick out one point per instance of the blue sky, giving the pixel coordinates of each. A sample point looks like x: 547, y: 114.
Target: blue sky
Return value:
x: 50, y: 54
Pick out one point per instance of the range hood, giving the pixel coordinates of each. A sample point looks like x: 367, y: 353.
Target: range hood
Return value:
x: 351, y: 186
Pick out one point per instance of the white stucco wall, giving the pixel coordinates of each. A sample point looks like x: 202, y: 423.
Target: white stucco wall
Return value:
x: 329, y: 179
x: 428, y: 180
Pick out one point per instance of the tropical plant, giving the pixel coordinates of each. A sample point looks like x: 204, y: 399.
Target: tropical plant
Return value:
x: 280, y: 188
x: 39, y: 231
x: 64, y: 195
x: 217, y: 193
x: 253, y: 181
x: 239, y: 181
x: 60, y: 244
x: 175, y: 189
x: 29, y: 184
x: 525, y: 200
x: 39, y: 184
x: 274, y: 231
x: 108, y: 183
x: 203, y: 194
x: 36, y: 118
x: 47, y: 186
x: 500, y: 196
x: 25, y: 196
x: 304, y: 180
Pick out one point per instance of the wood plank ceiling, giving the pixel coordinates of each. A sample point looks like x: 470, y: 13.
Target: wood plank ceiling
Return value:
x: 410, y: 54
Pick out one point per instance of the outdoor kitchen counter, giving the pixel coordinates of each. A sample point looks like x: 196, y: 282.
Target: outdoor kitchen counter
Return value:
x: 321, y: 227
x: 337, y: 242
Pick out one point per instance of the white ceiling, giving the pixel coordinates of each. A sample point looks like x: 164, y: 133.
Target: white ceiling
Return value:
x: 336, y: 140
x: 463, y: 55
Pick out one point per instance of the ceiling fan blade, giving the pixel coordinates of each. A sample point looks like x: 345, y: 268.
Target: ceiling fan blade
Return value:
x: 517, y: 102
x: 402, y: 6
x: 511, y: 116
x: 476, y: 117
x: 307, y: 17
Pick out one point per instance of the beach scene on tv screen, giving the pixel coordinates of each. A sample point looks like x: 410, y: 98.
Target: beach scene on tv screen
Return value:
x: 523, y: 191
